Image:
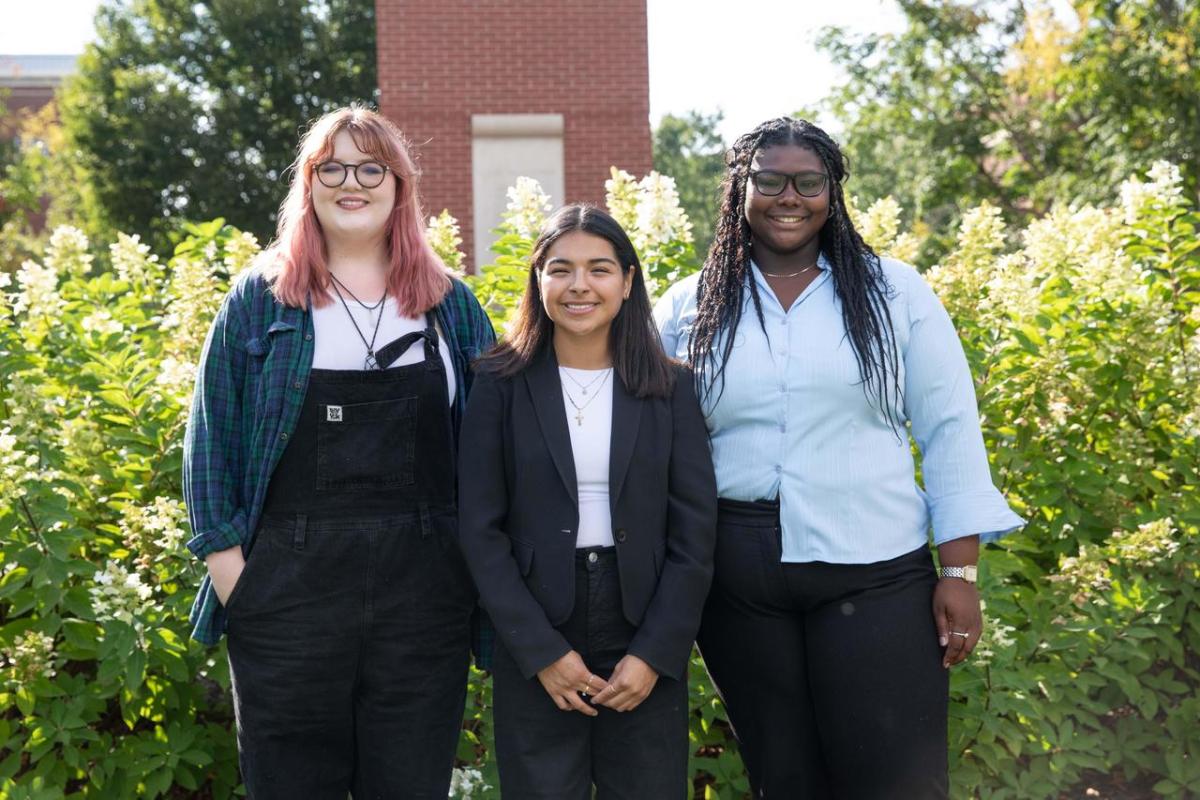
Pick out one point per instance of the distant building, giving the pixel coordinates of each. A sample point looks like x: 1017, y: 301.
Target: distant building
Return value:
x: 490, y: 90
x: 27, y: 83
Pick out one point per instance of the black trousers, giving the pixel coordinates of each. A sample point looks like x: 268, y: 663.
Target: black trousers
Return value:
x: 348, y: 647
x: 831, y: 673
x: 547, y: 754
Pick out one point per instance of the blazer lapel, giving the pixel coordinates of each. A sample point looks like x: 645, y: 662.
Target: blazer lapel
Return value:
x: 626, y: 419
x: 545, y: 388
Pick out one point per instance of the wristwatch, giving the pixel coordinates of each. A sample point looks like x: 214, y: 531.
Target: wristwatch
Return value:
x: 967, y: 573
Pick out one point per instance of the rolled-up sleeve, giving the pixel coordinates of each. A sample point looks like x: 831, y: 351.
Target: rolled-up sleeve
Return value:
x: 940, y: 402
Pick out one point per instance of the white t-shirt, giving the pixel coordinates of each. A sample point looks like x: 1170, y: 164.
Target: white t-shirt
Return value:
x: 339, y: 346
x: 589, y: 419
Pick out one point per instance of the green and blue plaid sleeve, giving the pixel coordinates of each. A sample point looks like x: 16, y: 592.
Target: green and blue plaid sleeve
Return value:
x: 212, y: 449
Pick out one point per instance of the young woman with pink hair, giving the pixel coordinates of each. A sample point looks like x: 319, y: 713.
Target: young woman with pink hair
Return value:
x: 319, y: 473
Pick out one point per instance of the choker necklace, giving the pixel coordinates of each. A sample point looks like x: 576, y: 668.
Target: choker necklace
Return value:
x: 579, y: 408
x: 584, y: 387
x: 355, y: 297
x: 790, y: 274
x: 369, y: 362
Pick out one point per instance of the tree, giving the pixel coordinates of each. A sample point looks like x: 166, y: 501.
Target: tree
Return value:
x: 689, y: 149
x: 1006, y: 102
x: 193, y: 110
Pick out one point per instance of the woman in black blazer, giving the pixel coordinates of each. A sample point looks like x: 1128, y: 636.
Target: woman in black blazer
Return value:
x: 587, y: 508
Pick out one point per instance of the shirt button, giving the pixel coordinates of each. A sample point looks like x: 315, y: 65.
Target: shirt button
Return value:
x: 783, y: 427
x: 783, y: 387
x: 592, y: 557
x: 296, y: 385
x: 778, y: 469
x: 308, y: 337
x: 783, y: 352
x: 283, y: 436
x: 621, y: 535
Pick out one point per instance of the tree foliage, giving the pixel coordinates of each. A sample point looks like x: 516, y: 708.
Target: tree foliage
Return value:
x: 1006, y: 102
x: 193, y: 110
x: 690, y: 150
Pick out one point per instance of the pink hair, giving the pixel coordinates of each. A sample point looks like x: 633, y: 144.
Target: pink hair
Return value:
x: 297, y: 259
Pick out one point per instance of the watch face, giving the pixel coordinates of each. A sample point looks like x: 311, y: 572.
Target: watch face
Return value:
x: 969, y: 574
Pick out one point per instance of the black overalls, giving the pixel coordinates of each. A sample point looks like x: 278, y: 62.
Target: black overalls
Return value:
x: 349, y: 628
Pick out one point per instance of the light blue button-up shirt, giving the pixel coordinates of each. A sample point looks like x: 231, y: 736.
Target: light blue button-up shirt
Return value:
x: 794, y: 422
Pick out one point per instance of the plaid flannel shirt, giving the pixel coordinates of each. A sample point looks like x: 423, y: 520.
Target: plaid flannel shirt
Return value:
x: 249, y: 391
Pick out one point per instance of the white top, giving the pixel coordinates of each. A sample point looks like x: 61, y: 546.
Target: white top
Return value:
x: 591, y: 438
x: 338, y: 346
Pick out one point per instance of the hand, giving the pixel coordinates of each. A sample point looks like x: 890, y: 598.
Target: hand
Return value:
x: 225, y: 567
x: 630, y: 683
x: 956, y: 612
x: 566, y: 679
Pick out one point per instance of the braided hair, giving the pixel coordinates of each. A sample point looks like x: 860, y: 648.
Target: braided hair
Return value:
x: 858, y: 279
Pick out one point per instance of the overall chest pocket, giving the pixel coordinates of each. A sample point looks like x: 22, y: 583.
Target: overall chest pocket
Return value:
x: 366, y: 445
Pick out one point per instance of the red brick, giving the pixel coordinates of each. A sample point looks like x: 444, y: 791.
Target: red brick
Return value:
x: 440, y: 61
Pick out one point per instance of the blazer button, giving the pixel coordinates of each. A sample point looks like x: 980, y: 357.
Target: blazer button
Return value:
x: 620, y: 534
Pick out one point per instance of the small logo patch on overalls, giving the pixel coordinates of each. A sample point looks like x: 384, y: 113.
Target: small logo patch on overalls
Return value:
x: 333, y: 413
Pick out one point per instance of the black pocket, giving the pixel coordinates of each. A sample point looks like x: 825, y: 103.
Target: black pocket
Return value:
x: 366, y: 445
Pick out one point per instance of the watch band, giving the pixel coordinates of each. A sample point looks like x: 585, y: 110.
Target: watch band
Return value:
x: 967, y: 573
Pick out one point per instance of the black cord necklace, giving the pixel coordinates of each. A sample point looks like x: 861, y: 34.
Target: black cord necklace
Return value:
x: 355, y: 297
x: 370, y: 362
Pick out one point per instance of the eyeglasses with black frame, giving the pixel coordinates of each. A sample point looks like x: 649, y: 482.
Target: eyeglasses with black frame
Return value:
x: 369, y: 174
x: 770, y: 183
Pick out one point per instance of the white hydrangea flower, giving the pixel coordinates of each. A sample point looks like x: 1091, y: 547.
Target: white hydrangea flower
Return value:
x: 465, y: 782
x: 240, y: 252
x: 17, y: 467
x: 444, y: 236
x: 31, y: 656
x: 660, y: 218
x: 621, y: 197
x: 132, y: 261
x: 176, y: 377
x: 101, y: 322
x: 527, y: 207
x: 38, y: 297
x: 67, y: 252
x: 193, y: 298
x: 153, y: 530
x: 118, y: 594
x: 1165, y: 188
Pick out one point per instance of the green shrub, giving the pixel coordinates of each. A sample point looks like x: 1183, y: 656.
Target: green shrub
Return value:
x: 1085, y: 343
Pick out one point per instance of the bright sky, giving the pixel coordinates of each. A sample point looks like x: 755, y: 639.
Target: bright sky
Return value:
x: 753, y: 59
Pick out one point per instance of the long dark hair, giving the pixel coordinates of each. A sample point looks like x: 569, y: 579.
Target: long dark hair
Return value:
x: 858, y: 279
x: 638, y: 357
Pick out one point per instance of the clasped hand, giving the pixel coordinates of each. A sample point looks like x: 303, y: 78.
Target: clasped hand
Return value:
x: 569, y: 682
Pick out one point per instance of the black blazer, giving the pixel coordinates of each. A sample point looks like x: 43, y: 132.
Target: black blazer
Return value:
x: 519, y: 514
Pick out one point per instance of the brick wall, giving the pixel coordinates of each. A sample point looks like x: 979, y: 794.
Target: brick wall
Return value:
x: 440, y: 61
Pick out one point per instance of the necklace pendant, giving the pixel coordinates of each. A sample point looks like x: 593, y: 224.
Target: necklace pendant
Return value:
x: 579, y: 417
x: 370, y: 362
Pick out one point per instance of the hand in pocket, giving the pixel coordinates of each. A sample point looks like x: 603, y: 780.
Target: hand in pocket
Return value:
x: 225, y: 567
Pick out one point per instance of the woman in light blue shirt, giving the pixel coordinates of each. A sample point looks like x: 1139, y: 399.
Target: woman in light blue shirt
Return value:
x: 828, y: 631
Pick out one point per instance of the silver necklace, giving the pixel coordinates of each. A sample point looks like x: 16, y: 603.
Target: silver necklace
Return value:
x: 579, y: 408
x: 790, y: 274
x: 369, y: 362
x: 584, y: 387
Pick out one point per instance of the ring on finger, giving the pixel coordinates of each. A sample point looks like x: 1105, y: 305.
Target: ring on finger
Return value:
x: 963, y: 634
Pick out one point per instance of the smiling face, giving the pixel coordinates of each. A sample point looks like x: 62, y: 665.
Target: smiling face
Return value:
x: 351, y: 210
x: 583, y: 287
x: 786, y: 227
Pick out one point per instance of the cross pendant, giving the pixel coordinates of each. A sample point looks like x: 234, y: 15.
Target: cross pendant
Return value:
x: 579, y: 418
